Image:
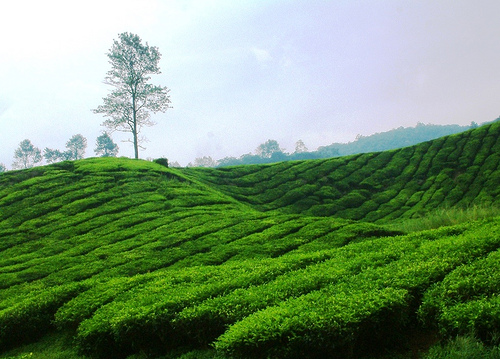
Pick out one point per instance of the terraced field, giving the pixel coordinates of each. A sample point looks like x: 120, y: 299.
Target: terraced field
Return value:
x: 457, y: 170
x: 290, y: 260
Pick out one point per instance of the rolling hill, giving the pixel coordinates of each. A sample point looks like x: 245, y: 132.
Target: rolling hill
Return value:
x: 298, y: 259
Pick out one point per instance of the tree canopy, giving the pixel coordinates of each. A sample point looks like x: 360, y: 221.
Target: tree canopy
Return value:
x: 75, y: 150
x: 76, y: 146
x: 128, y: 106
x: 105, y: 147
x: 26, y: 155
x: 267, y: 149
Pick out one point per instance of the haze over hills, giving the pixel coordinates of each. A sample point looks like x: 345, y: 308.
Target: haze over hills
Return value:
x: 393, y: 139
x: 397, y: 138
x: 298, y: 259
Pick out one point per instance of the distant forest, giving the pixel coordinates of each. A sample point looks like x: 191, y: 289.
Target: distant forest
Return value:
x: 270, y: 151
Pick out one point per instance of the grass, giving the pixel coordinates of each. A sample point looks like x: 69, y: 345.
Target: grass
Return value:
x: 465, y: 347
x: 118, y: 258
x: 59, y: 346
x: 51, y: 346
x: 442, y: 217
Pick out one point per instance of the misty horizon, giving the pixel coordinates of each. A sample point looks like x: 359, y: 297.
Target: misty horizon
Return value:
x: 242, y: 73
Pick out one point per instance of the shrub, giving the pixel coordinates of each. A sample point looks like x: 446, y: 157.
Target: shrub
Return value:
x: 32, y: 317
x: 331, y: 329
x: 466, y: 300
x: 161, y: 161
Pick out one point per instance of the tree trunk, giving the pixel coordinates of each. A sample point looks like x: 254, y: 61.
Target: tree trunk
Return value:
x: 136, y: 145
x: 134, y: 131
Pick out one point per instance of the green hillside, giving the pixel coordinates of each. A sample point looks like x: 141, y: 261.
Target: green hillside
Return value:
x: 457, y: 170
x: 117, y: 258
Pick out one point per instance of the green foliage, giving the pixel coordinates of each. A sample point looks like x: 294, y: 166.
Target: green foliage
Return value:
x: 466, y: 301
x: 326, y: 323
x: 51, y: 346
x: 397, y: 184
x: 134, y: 258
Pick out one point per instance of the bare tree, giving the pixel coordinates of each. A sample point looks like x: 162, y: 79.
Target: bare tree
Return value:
x: 129, y: 105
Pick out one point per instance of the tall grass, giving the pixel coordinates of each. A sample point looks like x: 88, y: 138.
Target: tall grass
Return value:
x: 463, y: 348
x: 51, y: 346
x: 447, y: 216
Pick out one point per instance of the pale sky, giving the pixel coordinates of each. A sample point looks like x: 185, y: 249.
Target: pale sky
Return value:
x: 243, y: 72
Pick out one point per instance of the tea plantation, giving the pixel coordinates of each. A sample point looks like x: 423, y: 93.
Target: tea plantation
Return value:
x: 118, y: 258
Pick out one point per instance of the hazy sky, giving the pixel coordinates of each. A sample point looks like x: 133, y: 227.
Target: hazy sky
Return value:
x: 243, y: 72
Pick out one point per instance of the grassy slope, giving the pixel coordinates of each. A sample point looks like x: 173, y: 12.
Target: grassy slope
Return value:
x: 257, y: 260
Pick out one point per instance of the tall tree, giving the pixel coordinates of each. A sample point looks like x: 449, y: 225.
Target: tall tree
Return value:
x: 128, y: 106
x: 76, y: 146
x: 105, y: 147
x: 26, y: 155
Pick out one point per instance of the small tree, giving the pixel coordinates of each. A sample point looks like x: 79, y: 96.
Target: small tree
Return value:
x: 203, y: 162
x: 300, y: 147
x: 105, y: 147
x: 26, y: 155
x: 128, y: 105
x: 266, y: 150
x: 76, y: 146
x: 52, y: 156
x: 2, y: 168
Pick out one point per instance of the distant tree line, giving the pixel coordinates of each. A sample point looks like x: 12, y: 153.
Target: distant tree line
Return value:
x: 270, y: 151
x: 396, y: 138
x: 128, y: 107
x: 28, y: 156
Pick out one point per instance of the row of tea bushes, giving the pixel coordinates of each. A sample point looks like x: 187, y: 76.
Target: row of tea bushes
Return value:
x: 253, y: 305
x: 319, y: 325
x: 467, y: 301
